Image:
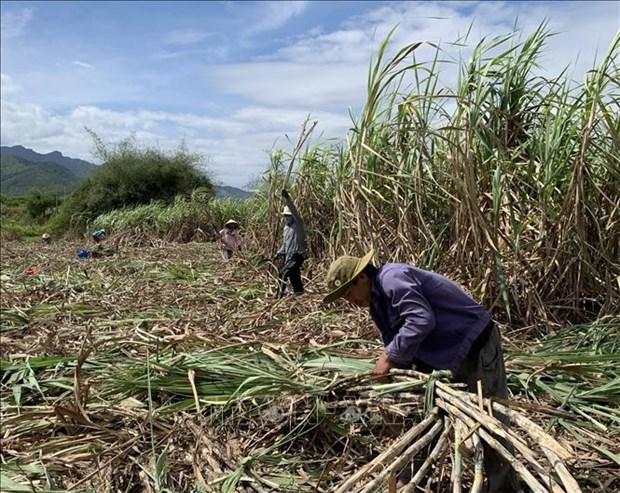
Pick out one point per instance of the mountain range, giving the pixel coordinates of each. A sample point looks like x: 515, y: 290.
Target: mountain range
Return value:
x: 22, y: 169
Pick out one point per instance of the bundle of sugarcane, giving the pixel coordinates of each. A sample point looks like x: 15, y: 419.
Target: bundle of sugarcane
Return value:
x: 457, y: 416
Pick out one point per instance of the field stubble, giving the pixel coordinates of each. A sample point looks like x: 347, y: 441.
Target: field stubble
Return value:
x: 163, y: 369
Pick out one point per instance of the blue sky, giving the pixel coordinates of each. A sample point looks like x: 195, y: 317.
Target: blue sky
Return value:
x: 232, y: 78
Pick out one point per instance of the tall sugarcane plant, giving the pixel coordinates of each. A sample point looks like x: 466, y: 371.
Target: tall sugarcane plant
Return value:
x: 508, y: 179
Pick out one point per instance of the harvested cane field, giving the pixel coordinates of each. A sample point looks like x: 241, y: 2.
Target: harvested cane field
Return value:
x: 161, y: 368
x: 164, y: 369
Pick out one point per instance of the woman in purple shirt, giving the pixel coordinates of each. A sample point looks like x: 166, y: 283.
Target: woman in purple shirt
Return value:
x: 427, y: 320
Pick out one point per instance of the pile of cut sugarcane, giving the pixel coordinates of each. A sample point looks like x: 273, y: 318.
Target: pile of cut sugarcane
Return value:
x: 285, y: 405
x: 300, y: 422
x: 456, y: 419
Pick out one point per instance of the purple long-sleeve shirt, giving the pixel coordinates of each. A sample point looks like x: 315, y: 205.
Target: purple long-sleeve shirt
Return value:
x: 424, y: 317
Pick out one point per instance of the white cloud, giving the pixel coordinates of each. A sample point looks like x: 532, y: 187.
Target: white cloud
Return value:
x: 313, y: 86
x: 328, y: 69
x: 7, y: 86
x: 83, y: 64
x: 236, y: 145
x: 13, y: 22
x: 211, y: 54
x: 275, y: 14
x: 54, y: 88
x: 28, y: 120
x: 184, y: 37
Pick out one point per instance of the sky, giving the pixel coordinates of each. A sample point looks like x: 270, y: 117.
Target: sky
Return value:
x: 233, y: 79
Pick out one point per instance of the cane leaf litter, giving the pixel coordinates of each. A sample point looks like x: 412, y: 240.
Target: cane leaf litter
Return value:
x: 190, y: 388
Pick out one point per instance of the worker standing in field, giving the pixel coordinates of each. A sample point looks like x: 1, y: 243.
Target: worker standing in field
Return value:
x: 293, y: 248
x: 427, y: 320
x: 230, y: 240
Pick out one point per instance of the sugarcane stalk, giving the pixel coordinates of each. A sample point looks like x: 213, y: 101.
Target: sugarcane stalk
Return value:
x: 369, y: 404
x: 509, y: 436
x: 568, y: 481
x: 527, y: 476
x: 478, y: 482
x: 433, y: 456
x: 549, y: 445
x: 303, y: 137
x: 492, y: 424
x: 390, y: 452
x: 406, y: 456
x: 191, y: 376
x: 457, y: 471
x: 536, y: 432
x: 402, y: 398
x: 463, y: 448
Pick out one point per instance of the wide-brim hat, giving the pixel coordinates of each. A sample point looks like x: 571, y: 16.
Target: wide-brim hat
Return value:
x: 231, y: 221
x: 342, y: 272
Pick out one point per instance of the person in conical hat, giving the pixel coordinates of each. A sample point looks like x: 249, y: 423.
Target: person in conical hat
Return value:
x: 293, y: 249
x: 46, y: 238
x: 427, y: 320
x: 230, y: 239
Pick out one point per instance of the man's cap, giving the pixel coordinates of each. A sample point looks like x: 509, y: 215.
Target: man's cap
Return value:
x: 342, y: 272
x: 286, y: 211
x: 231, y: 221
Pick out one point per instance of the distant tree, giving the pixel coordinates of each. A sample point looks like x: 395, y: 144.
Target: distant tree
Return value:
x: 39, y: 204
x: 132, y: 175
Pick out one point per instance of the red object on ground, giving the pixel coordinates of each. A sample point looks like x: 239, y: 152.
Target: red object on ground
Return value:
x: 32, y: 271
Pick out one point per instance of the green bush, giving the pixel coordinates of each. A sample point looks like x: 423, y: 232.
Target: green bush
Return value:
x: 12, y: 208
x: 16, y: 222
x: 40, y: 204
x: 132, y: 176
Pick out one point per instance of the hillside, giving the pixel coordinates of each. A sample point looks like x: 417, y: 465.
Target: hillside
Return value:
x: 18, y: 176
x: 79, y: 167
x: 22, y: 169
x: 223, y: 192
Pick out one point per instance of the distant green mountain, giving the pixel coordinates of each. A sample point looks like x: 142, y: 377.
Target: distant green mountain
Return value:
x: 18, y: 177
x: 22, y: 169
x: 79, y: 167
x: 223, y: 192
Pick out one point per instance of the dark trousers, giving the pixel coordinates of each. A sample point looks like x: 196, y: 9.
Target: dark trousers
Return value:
x: 291, y: 270
x: 485, y: 362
